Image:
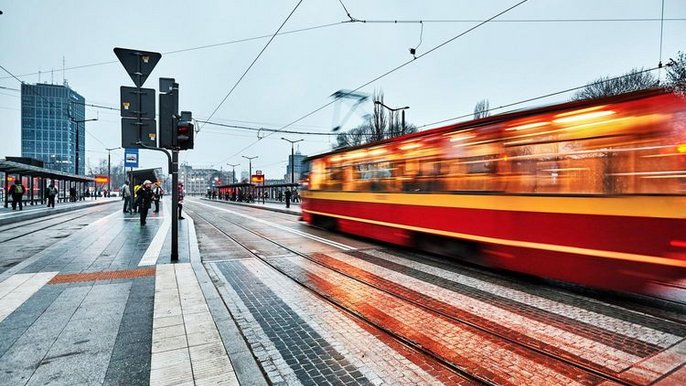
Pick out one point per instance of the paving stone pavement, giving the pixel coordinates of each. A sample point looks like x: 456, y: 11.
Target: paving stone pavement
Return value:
x: 82, y: 312
x: 103, y: 305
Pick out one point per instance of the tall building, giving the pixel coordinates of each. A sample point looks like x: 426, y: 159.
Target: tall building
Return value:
x: 52, y: 127
x: 295, y: 163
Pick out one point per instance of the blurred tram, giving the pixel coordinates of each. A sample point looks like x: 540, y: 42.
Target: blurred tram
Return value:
x: 590, y: 192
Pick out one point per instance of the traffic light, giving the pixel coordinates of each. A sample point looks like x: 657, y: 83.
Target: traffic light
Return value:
x: 185, y: 131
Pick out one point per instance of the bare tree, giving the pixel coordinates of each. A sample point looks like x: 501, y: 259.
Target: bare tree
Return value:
x: 117, y: 172
x: 676, y: 73
x: 481, y: 109
x: 634, y: 80
x: 381, y: 125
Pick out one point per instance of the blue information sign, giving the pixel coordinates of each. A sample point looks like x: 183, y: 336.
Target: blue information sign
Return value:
x: 131, y: 157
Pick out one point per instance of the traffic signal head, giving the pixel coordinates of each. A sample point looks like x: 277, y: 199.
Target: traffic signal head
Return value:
x: 185, y: 131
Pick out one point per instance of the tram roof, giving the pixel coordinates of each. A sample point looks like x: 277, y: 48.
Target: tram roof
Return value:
x: 13, y: 167
x: 508, y: 115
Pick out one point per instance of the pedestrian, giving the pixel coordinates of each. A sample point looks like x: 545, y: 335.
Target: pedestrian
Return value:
x: 72, y: 194
x: 182, y: 193
x: 145, y: 197
x: 126, y: 196
x: 51, y: 192
x: 17, y: 192
x: 157, y: 195
x: 136, y: 188
x: 288, y: 198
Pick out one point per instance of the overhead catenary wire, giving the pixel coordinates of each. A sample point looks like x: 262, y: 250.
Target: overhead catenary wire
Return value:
x: 201, y: 47
x: 254, y: 61
x: 354, y: 20
x: 537, y: 97
x: 662, y: 24
x: 413, y: 60
x: 516, y: 21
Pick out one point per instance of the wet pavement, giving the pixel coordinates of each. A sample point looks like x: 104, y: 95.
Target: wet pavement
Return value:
x: 259, y: 298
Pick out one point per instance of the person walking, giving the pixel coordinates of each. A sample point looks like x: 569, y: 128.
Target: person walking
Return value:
x: 157, y: 195
x: 17, y: 192
x: 51, y: 192
x: 145, y: 197
x: 182, y: 193
x: 288, y: 198
x: 126, y: 196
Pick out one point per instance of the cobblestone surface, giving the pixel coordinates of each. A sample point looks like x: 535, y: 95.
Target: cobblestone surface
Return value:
x: 634, y: 332
x: 479, y: 310
x: 652, y: 330
x: 290, y: 348
x: 474, y: 351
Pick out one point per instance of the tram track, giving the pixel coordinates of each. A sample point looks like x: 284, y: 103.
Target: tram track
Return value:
x: 53, y: 220
x: 540, y: 350
x: 661, y: 308
x: 353, y: 313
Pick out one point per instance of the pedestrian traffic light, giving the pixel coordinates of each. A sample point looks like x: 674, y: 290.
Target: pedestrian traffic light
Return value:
x: 185, y: 131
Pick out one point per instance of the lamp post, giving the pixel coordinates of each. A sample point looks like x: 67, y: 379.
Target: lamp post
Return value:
x: 292, y: 157
x: 250, y: 166
x: 76, y: 158
x: 394, y: 110
x: 109, y: 177
x: 233, y: 171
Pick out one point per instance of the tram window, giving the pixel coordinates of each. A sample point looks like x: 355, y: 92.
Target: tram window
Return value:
x: 480, y: 165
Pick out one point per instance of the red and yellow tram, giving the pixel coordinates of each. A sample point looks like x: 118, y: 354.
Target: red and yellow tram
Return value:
x: 590, y: 192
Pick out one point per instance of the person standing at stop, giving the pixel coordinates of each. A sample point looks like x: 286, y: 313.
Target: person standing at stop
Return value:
x: 51, y: 192
x: 126, y: 195
x: 157, y: 195
x: 288, y: 198
x: 181, y: 194
x: 145, y: 196
x: 17, y: 192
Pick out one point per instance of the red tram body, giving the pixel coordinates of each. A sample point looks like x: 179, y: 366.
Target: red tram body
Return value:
x: 590, y: 192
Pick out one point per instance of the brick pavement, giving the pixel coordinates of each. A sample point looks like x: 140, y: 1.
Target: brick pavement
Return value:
x: 296, y: 336
x: 511, y: 321
x: 81, y: 311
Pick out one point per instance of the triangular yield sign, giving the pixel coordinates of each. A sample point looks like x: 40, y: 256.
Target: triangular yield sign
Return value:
x: 139, y: 64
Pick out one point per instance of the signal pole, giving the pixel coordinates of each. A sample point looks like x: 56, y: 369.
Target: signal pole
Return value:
x: 250, y: 166
x: 292, y: 157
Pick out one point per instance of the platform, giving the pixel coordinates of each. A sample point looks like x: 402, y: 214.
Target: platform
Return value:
x: 259, y: 298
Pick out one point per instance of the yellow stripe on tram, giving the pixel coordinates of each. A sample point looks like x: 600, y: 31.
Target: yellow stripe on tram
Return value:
x: 673, y: 207
x: 524, y: 244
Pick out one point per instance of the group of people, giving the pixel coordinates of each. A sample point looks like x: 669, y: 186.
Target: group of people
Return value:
x: 143, y: 196
x: 17, y: 190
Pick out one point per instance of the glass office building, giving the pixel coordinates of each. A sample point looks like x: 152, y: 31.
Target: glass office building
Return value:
x: 52, y: 127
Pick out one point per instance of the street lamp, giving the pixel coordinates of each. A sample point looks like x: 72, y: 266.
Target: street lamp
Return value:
x: 394, y: 110
x: 109, y: 178
x: 76, y: 158
x: 233, y: 166
x: 292, y: 157
x: 250, y: 166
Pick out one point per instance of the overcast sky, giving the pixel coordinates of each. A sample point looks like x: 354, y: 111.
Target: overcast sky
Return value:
x: 504, y: 61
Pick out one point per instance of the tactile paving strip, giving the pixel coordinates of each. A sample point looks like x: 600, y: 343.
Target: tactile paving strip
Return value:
x: 107, y: 275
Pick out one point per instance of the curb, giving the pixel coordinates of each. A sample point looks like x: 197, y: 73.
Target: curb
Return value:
x: 44, y: 213
x: 286, y: 211
x: 248, y: 370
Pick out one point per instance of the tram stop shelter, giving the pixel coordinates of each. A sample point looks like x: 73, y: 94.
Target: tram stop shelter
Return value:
x: 137, y: 177
x: 245, y: 191
x: 36, y: 179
